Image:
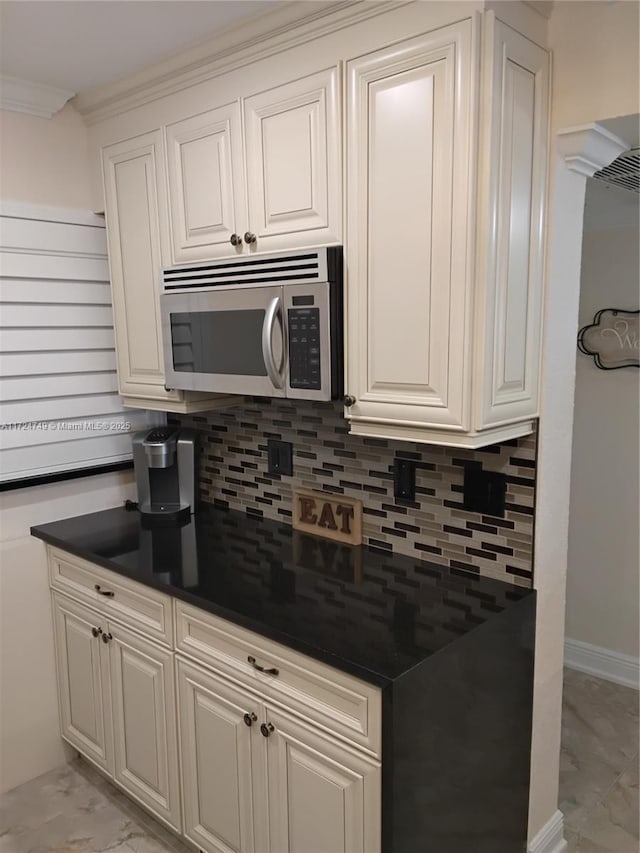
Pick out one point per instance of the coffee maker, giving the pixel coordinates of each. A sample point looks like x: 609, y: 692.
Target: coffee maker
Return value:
x: 164, y: 460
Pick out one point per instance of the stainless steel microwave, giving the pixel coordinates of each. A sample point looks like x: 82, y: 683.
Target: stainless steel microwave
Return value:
x: 268, y: 326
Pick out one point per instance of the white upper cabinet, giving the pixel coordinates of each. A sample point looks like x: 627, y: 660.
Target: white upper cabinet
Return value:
x: 510, y: 255
x: 138, y: 241
x: 445, y: 236
x: 293, y: 163
x: 409, y: 114
x: 278, y: 188
x: 206, y: 183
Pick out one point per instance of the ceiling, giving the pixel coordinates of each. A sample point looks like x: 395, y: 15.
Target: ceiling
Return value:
x: 79, y: 44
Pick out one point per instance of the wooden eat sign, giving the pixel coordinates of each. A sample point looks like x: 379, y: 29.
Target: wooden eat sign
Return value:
x: 332, y: 516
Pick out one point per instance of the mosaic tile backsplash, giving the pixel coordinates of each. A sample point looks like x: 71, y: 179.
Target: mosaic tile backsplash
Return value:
x: 436, y: 527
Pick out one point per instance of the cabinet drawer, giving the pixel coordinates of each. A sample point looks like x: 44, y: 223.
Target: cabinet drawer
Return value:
x: 340, y: 703
x: 133, y: 604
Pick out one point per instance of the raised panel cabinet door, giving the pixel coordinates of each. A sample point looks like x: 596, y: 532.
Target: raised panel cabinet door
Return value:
x: 134, y: 198
x: 293, y: 145
x: 206, y: 184
x: 216, y: 751
x: 323, y: 796
x: 409, y: 165
x: 83, y: 681
x: 511, y: 225
x: 144, y: 722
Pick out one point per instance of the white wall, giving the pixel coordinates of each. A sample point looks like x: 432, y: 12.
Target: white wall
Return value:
x: 603, y: 585
x: 584, y: 90
x: 45, y: 162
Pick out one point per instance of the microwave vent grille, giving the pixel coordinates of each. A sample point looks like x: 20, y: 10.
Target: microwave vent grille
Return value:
x: 277, y: 269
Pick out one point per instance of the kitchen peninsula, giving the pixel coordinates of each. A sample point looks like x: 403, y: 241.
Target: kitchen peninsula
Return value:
x: 363, y: 699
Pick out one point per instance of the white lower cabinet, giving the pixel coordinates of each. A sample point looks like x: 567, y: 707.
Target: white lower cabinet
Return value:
x: 144, y: 722
x: 256, y: 779
x: 216, y: 747
x: 83, y: 681
x: 323, y: 796
x: 117, y: 705
x: 237, y: 760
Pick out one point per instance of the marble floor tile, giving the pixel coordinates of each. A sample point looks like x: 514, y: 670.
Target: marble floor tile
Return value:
x: 599, y: 766
x: 75, y: 810
x: 599, y: 718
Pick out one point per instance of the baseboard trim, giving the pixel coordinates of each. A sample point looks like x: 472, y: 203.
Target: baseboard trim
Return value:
x: 550, y: 839
x: 603, y: 663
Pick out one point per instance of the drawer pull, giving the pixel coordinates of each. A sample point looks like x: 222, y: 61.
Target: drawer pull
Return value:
x: 107, y: 638
x: 266, y: 729
x: 106, y: 592
x: 96, y: 632
x: 249, y: 719
x: 271, y: 671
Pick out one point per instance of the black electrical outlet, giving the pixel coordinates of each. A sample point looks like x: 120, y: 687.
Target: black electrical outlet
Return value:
x: 404, y: 479
x: 280, y: 457
x: 484, y: 491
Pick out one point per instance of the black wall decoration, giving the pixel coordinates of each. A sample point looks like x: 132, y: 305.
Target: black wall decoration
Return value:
x: 613, y: 339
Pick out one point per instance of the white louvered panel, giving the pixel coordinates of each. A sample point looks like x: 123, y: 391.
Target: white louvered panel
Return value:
x: 69, y: 385
x: 77, y: 431
x: 46, y: 340
x: 65, y: 408
x: 66, y: 456
x: 33, y: 315
x: 30, y: 363
x: 58, y: 391
x: 53, y: 237
x: 46, y: 267
x: 55, y: 291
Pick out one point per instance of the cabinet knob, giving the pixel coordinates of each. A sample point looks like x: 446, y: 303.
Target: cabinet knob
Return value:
x: 249, y: 237
x: 235, y: 240
x: 106, y: 638
x: 249, y: 719
x: 106, y: 592
x: 96, y: 632
x: 348, y: 400
x: 266, y: 729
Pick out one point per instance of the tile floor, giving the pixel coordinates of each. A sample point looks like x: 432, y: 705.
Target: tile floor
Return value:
x: 74, y: 810
x: 599, y: 765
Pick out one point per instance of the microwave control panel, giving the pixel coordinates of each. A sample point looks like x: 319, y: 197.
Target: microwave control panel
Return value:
x: 304, y: 348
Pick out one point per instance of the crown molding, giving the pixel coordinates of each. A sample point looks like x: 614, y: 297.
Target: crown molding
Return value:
x: 36, y: 99
x: 291, y: 23
x: 589, y: 147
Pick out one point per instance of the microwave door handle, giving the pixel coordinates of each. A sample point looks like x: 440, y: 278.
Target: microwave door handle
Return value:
x: 267, y: 341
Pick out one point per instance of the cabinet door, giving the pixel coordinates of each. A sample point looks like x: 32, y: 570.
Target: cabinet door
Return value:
x: 510, y: 265
x: 216, y: 751
x: 206, y: 184
x: 83, y: 681
x: 293, y: 163
x: 134, y: 200
x: 144, y: 723
x: 409, y: 169
x: 323, y: 796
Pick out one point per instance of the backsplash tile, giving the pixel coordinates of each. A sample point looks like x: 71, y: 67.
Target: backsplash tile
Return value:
x: 434, y: 527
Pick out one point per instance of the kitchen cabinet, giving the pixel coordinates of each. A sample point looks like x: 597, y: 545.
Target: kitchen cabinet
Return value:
x: 278, y: 188
x: 320, y: 793
x: 137, y: 235
x: 451, y: 272
x: 439, y: 660
x: 83, y: 681
x: 117, y: 704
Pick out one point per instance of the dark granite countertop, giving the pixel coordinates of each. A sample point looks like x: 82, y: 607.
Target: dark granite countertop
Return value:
x: 375, y: 615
